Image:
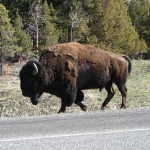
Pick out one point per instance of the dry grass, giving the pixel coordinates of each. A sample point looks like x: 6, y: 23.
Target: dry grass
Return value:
x: 13, y: 104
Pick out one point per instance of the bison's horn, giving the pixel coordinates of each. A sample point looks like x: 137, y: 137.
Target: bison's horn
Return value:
x: 35, y: 71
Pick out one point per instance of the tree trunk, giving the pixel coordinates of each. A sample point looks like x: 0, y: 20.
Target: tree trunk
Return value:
x: 70, y: 33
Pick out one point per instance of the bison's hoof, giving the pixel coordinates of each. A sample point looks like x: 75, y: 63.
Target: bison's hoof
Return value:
x: 123, y: 106
x: 103, y: 108
x: 61, y: 111
x: 84, y: 108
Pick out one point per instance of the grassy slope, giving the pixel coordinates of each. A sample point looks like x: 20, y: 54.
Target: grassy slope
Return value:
x: 12, y: 103
x: 139, y: 85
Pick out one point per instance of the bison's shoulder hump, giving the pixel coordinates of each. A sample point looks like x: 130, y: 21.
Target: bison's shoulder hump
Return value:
x: 81, y: 52
x: 67, y: 49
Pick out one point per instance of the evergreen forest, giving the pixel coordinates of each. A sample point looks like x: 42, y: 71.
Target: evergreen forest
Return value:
x: 28, y: 26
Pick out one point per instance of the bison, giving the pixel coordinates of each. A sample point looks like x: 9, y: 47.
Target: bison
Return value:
x: 64, y: 70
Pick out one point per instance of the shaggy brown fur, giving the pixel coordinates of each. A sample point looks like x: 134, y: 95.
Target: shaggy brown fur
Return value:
x: 73, y: 67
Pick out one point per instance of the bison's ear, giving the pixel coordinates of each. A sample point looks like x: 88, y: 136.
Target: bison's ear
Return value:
x: 70, y: 67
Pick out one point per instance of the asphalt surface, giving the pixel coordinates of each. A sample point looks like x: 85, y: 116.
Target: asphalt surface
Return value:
x: 112, y: 130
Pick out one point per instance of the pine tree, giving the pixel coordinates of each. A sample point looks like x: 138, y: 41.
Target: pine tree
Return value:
x: 33, y: 20
x: 22, y: 6
x: 23, y: 40
x: 112, y: 28
x: 139, y: 12
x: 73, y: 21
x: 48, y: 35
x: 6, y: 30
x: 6, y: 35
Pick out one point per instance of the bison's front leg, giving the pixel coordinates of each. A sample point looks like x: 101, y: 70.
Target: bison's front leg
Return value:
x: 79, y: 99
x: 67, y: 101
x: 63, y: 107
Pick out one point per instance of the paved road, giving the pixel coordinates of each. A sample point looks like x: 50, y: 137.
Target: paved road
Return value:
x: 113, y: 130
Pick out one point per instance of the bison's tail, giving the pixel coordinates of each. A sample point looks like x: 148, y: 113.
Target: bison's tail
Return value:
x: 129, y: 62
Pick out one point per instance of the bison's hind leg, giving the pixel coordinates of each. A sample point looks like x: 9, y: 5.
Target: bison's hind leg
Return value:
x: 79, y: 99
x: 110, y: 92
x: 123, y: 90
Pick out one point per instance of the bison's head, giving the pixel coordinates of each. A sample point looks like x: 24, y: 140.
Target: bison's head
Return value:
x: 33, y: 79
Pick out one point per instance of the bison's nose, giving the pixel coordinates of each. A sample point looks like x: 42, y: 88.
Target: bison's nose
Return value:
x: 34, y: 100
